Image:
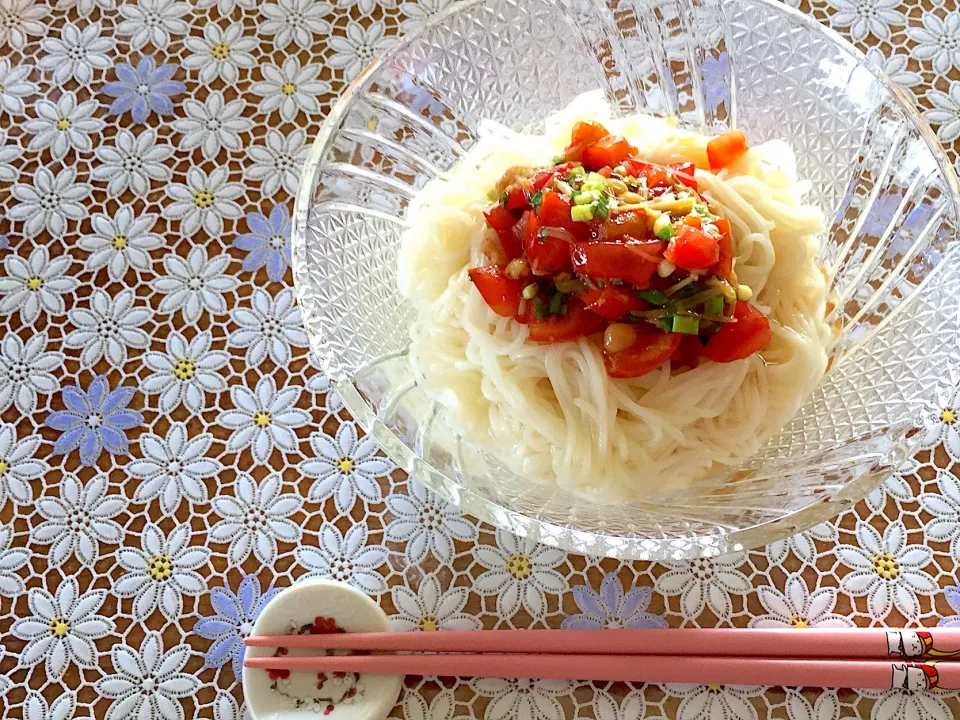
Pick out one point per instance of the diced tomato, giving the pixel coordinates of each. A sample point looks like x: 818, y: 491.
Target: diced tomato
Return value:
x: 517, y: 199
x: 546, y: 255
x: 587, y: 131
x: 656, y: 175
x: 693, y: 220
x: 607, y: 152
x: 692, y: 248
x: 689, y: 352
x: 650, y: 351
x: 725, y: 149
x: 613, y: 302
x: 735, y: 341
x: 554, y: 211
x: 502, y: 220
x: 725, y: 242
x: 635, y: 224
x: 625, y: 261
x: 684, y: 173
x: 577, y: 321
x: 500, y: 292
x: 583, y: 135
x: 543, y: 178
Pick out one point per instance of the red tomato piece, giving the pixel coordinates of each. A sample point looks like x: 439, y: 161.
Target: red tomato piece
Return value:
x: 577, y: 322
x: 583, y: 135
x: 656, y: 175
x: 613, y: 302
x: 500, y: 292
x: 692, y: 249
x: 725, y: 242
x: 689, y: 352
x: 684, y: 173
x: 517, y: 199
x: 735, y: 341
x: 554, y: 211
x: 625, y: 261
x: 725, y: 149
x: 546, y: 255
x: 635, y: 224
x: 607, y: 152
x: 650, y: 351
x: 502, y: 220
x: 542, y: 178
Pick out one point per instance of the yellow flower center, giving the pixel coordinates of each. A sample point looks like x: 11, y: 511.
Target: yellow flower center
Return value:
x: 59, y: 626
x: 798, y: 622
x: 220, y: 50
x: 714, y: 687
x: 261, y: 418
x: 160, y: 567
x: 119, y: 242
x: 184, y: 368
x: 202, y: 198
x: 288, y: 88
x: 519, y: 566
x: 345, y: 464
x: 885, y: 566
x: 3, y: 466
x: 35, y: 283
x: 428, y: 623
x: 948, y: 416
x: 63, y: 123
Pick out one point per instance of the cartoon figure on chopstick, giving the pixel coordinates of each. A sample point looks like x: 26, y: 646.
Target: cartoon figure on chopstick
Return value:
x: 914, y: 676
x: 914, y: 643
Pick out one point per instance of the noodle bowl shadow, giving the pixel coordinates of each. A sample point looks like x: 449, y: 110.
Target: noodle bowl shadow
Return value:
x: 889, y: 249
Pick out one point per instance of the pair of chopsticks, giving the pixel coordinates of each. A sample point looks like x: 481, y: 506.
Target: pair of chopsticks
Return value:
x: 856, y: 658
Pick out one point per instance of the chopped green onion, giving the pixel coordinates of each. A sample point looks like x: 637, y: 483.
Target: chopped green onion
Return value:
x: 714, y: 306
x: 576, y: 171
x: 618, y: 281
x: 667, y: 323
x: 581, y: 213
x: 555, y: 302
x: 702, y: 211
x: 655, y: 297
x: 686, y: 325
x: 666, y: 232
x: 601, y: 209
x: 530, y: 291
x: 559, y: 159
x: 536, y: 199
x: 595, y: 182
x: 539, y: 308
x: 584, y: 198
x: 504, y: 196
x: 563, y: 309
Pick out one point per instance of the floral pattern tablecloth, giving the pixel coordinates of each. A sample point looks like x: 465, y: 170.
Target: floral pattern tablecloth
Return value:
x: 171, y: 457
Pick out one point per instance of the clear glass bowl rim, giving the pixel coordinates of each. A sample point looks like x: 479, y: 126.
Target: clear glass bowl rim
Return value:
x: 565, y: 537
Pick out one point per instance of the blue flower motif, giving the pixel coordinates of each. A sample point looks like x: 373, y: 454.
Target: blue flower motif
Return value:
x: 233, y: 621
x: 610, y: 608
x: 952, y: 594
x: 268, y: 242
x: 143, y: 89
x: 94, y: 420
x: 715, y: 81
x: 4, y: 242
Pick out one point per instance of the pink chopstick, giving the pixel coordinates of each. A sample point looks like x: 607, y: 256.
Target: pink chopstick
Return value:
x: 881, y: 674
x: 775, y: 643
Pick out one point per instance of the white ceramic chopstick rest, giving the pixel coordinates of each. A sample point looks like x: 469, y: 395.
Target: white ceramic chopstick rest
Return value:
x: 318, y: 606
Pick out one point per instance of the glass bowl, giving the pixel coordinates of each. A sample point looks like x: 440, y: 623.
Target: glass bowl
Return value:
x: 887, y: 189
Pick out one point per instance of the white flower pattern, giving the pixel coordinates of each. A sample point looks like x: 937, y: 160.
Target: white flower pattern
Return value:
x: 120, y: 242
x: 519, y: 571
x: 705, y: 582
x: 255, y: 518
x: 153, y: 22
x: 204, y: 201
x: 270, y: 327
x: 264, y: 419
x: 277, y: 162
x: 50, y: 202
x: 345, y: 467
x: 221, y: 53
x: 185, y: 372
x: 18, y: 466
x: 78, y: 52
x: 290, y: 88
x: 706, y: 702
x: 132, y: 161
x: 36, y: 284
x: 213, y: 125
x: 345, y: 557
x: 63, y: 125
x: 161, y: 572
x: 431, y: 609
x: 426, y: 523
x: 20, y: 19
x: 194, y: 284
x: 523, y: 698
x: 25, y: 370
x: 78, y: 519
x: 797, y: 607
x: 108, y: 327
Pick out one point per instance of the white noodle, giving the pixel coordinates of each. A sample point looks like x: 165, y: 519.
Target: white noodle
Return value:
x: 550, y: 411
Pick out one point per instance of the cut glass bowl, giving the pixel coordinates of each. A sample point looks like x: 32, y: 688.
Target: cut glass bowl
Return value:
x: 890, y: 251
